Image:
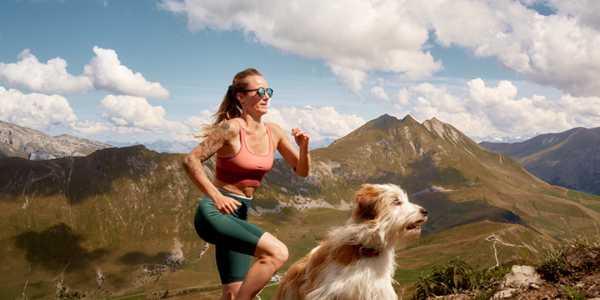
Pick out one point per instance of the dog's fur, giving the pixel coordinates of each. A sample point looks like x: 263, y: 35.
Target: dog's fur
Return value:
x: 382, y: 219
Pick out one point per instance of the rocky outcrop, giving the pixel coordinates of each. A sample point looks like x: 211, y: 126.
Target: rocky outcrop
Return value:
x: 34, y: 145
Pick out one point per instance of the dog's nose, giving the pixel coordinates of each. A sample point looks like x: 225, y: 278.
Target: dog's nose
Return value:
x: 424, y: 211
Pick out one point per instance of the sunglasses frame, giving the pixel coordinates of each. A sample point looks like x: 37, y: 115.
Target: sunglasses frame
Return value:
x: 261, y: 91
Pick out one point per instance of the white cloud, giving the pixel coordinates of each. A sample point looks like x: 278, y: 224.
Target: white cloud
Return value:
x: 193, y: 125
x: 49, y: 78
x: 484, y: 111
x: 37, y: 111
x: 104, y: 72
x: 107, y: 73
x: 90, y: 128
x: 561, y: 50
x: 350, y: 78
x: 318, y: 123
x: 130, y: 114
x: 355, y: 34
x: 378, y: 92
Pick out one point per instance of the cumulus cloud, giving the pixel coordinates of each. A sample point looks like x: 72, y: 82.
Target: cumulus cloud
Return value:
x: 193, y: 125
x: 107, y: 73
x: 90, y: 128
x: 378, y: 93
x: 318, y: 123
x: 560, y: 50
x: 356, y: 34
x: 37, y: 111
x: 49, y: 78
x: 484, y: 111
x: 130, y: 114
x: 350, y: 78
x: 104, y: 72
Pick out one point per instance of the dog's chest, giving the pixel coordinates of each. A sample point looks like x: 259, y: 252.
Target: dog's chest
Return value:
x: 371, y: 278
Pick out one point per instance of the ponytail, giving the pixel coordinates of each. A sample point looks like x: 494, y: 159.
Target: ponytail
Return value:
x: 230, y: 106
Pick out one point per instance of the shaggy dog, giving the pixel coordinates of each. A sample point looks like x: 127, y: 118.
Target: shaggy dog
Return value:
x: 357, y: 261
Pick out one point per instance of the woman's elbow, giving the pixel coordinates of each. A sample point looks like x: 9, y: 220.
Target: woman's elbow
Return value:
x: 187, y: 162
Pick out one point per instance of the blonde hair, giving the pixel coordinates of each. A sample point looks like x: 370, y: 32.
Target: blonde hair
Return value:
x: 230, y: 106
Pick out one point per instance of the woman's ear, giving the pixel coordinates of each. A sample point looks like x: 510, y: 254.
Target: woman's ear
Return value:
x: 239, y: 97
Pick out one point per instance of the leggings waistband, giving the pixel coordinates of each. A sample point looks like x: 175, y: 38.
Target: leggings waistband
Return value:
x: 230, y: 194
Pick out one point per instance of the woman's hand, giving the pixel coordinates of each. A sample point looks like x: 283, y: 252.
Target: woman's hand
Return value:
x: 226, y: 205
x: 301, y: 138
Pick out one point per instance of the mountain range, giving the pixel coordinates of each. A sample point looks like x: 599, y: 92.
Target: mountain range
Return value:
x: 119, y: 221
x: 32, y: 144
x: 570, y: 159
x: 187, y: 146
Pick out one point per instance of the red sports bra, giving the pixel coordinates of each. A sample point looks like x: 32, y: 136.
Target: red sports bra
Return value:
x: 245, y: 168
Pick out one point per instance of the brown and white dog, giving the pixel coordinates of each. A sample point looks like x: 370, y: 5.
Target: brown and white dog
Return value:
x: 357, y: 261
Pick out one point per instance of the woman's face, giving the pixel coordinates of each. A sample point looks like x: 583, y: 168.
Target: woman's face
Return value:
x: 251, y: 101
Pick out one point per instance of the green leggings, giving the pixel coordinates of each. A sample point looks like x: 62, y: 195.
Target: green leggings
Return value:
x: 234, y: 238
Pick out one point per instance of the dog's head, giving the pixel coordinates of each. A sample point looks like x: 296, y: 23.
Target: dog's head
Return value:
x: 385, y: 208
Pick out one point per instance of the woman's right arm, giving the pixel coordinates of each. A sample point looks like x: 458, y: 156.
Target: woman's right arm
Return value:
x: 192, y: 163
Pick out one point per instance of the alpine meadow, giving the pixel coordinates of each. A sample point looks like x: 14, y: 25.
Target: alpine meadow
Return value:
x: 118, y: 223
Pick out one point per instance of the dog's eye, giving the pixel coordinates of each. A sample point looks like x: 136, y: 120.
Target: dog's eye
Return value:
x: 397, y: 202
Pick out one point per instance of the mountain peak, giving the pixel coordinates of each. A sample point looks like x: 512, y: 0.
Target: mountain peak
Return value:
x: 33, y: 144
x: 383, y: 121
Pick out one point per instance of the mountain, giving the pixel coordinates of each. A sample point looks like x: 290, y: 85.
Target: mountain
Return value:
x: 119, y: 221
x: 161, y: 145
x: 32, y: 144
x: 187, y: 146
x: 496, y: 138
x: 570, y: 159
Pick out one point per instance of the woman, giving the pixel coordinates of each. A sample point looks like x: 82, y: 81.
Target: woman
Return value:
x: 245, y: 148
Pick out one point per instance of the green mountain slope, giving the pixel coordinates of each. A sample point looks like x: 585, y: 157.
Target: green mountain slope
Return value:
x: 119, y: 221
x: 570, y: 159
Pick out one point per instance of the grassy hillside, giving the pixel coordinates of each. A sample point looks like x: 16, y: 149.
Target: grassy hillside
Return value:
x: 119, y: 221
x: 568, y: 159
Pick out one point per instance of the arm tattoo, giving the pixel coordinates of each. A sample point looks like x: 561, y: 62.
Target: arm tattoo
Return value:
x: 207, y: 149
x: 214, y: 142
x: 193, y: 169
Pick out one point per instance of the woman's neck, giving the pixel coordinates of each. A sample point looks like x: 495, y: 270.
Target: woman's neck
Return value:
x: 253, y: 123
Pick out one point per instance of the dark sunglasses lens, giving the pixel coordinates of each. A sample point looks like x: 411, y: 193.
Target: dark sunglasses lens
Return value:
x: 270, y: 92
x: 261, y: 92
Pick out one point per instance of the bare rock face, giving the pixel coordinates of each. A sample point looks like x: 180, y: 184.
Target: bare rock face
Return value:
x: 34, y: 145
x: 521, y: 276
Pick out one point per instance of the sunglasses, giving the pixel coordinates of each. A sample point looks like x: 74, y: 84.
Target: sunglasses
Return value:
x: 261, y: 92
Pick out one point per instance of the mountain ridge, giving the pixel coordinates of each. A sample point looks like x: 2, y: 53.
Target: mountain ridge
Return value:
x: 126, y: 213
x: 569, y: 159
x: 32, y: 144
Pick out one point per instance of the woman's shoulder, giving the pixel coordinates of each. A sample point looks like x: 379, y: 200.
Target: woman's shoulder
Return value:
x: 228, y: 129
x: 231, y: 124
x: 276, y: 129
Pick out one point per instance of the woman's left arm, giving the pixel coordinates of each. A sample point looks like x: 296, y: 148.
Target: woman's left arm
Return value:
x: 300, y: 162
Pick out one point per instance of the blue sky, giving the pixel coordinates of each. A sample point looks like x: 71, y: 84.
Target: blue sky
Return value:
x: 148, y: 70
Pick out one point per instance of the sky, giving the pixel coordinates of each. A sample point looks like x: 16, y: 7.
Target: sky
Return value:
x: 146, y: 70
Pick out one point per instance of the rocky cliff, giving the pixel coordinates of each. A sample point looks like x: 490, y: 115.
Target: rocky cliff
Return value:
x: 32, y: 144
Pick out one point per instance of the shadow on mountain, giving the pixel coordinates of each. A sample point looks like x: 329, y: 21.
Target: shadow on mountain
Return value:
x: 77, y: 178
x: 57, y: 248
x: 140, y: 258
x: 444, y: 213
x: 424, y: 175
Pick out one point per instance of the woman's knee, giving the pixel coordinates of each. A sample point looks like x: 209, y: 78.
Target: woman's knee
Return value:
x: 282, y: 254
x: 272, y: 250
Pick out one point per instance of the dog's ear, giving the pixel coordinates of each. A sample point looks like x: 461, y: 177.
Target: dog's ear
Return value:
x: 367, y: 206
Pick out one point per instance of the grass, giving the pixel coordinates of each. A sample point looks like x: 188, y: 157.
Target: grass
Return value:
x: 583, y: 196
x: 457, y: 276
